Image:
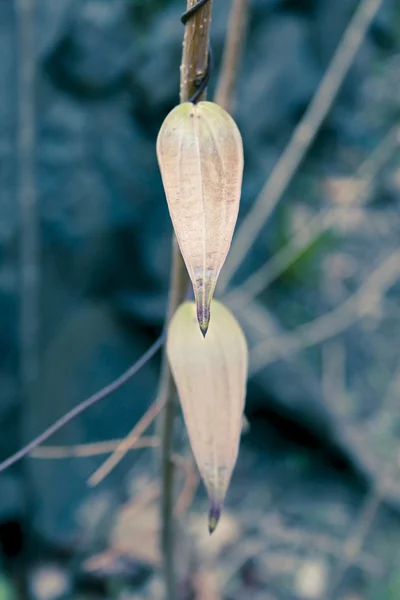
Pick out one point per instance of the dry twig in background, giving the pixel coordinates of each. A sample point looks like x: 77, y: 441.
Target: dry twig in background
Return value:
x: 29, y: 228
x: 260, y: 279
x: 302, y: 138
x: 127, y: 443
x: 92, y: 449
x: 233, y: 51
x: 191, y: 484
x: 332, y: 323
x: 84, y: 405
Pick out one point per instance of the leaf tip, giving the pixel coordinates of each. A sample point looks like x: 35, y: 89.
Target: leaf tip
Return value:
x: 204, y: 327
x: 203, y: 293
x: 203, y: 314
x: 213, y: 516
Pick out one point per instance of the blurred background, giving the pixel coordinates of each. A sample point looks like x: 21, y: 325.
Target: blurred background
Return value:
x: 313, y: 511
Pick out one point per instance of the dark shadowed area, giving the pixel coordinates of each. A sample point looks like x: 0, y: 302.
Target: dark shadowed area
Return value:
x: 313, y: 511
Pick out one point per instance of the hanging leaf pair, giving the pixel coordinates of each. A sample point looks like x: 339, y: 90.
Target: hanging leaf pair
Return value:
x: 200, y: 154
x: 210, y: 375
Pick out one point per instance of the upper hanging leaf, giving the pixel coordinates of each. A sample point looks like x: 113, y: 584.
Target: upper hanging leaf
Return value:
x: 200, y: 154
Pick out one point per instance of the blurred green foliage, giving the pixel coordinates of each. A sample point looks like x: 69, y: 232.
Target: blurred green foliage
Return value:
x: 304, y: 269
x: 7, y: 591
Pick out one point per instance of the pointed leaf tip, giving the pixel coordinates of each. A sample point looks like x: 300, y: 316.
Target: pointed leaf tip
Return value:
x: 214, y: 515
x: 204, y: 329
x: 203, y: 314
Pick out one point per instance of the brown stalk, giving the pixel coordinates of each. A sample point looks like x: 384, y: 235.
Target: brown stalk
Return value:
x: 193, y: 69
x: 233, y: 51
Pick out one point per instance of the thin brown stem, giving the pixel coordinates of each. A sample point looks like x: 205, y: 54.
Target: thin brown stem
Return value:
x: 195, y: 50
x: 167, y: 394
x: 91, y: 449
x: 232, y: 53
x: 193, y: 68
x: 126, y: 444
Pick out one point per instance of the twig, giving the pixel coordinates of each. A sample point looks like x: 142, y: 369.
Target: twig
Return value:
x: 232, y: 55
x: 29, y: 229
x: 260, y: 279
x: 302, y: 138
x: 126, y: 444
x: 334, y: 322
x: 86, y: 450
x: 191, y: 483
x: 333, y: 376
x: 388, y: 404
x: 167, y: 394
x: 82, y: 406
x: 193, y: 66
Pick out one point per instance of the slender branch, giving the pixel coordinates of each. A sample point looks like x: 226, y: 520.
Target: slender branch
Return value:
x: 232, y: 55
x: 190, y: 486
x: 86, y: 450
x: 29, y: 229
x: 167, y: 395
x: 260, y: 279
x: 382, y: 278
x: 127, y: 443
x: 82, y: 406
x: 302, y: 138
x: 193, y: 68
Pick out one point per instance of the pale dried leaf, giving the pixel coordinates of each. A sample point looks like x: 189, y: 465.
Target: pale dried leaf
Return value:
x: 210, y: 374
x: 200, y: 154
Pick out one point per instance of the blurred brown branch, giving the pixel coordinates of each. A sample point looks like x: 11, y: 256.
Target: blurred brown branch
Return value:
x: 260, y: 279
x: 302, y: 138
x: 93, y: 449
x: 126, y: 444
x: 357, y: 306
x: 233, y: 50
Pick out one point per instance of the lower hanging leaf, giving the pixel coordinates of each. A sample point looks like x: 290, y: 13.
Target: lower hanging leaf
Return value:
x: 210, y: 374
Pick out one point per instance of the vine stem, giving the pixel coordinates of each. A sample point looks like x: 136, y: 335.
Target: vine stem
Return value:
x: 193, y: 69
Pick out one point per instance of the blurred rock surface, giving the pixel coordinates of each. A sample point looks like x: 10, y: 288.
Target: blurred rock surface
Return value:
x: 107, y: 73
